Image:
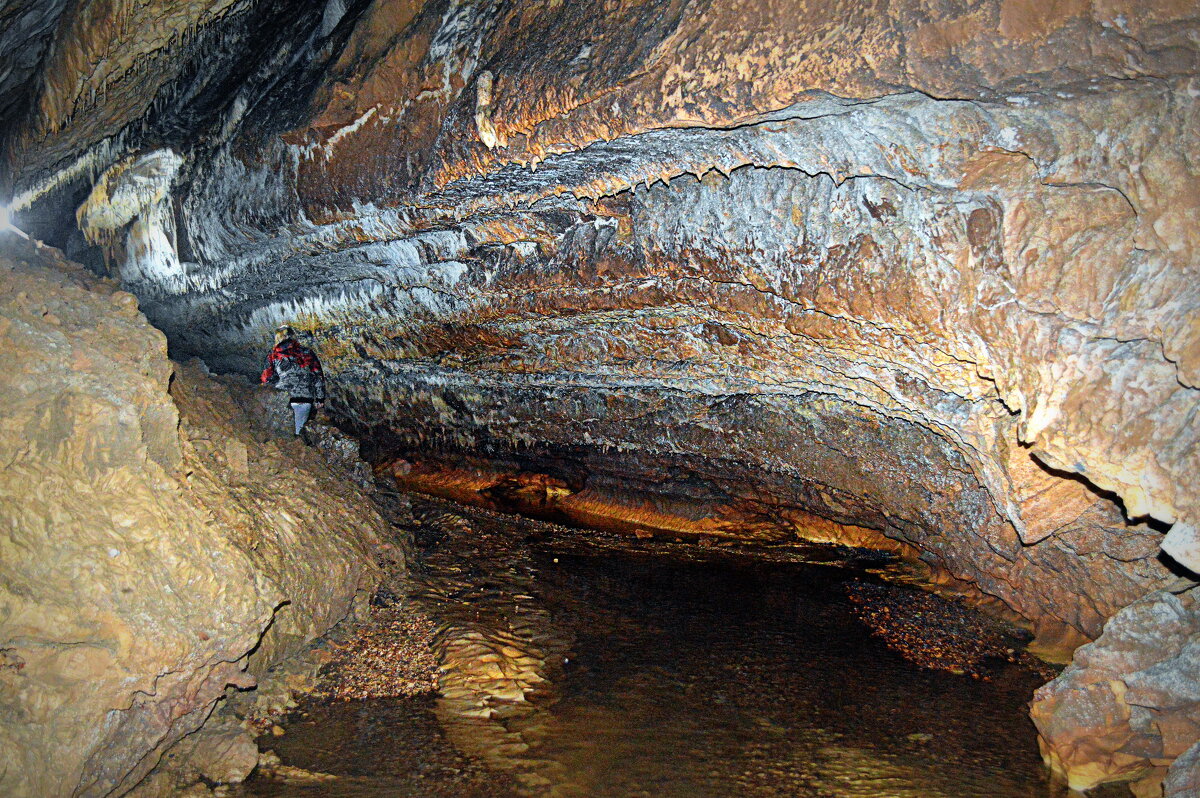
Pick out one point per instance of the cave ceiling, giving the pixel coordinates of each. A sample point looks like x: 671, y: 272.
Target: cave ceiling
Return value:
x: 926, y: 268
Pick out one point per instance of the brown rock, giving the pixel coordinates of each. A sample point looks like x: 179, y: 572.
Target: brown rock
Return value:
x: 1130, y: 701
x: 223, y: 755
x: 133, y: 595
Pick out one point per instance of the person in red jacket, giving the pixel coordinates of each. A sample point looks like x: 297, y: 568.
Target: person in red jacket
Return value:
x: 295, y: 369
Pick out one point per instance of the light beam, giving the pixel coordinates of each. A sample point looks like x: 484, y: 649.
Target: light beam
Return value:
x: 6, y: 222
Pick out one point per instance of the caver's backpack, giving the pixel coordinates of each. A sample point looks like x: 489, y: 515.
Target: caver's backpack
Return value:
x: 295, y: 370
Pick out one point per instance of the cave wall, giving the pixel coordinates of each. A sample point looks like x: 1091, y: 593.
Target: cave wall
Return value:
x: 1023, y: 242
x: 1010, y: 315
x: 976, y: 223
x: 156, y: 547
x: 926, y: 269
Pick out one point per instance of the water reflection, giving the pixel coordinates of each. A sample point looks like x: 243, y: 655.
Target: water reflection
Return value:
x: 572, y: 670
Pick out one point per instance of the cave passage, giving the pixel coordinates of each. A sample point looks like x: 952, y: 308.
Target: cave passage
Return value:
x: 812, y: 343
x: 675, y: 669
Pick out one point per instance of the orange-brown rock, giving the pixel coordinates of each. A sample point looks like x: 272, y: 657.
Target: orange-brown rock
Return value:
x: 157, y: 547
x: 926, y: 271
x: 1130, y: 702
x: 620, y: 508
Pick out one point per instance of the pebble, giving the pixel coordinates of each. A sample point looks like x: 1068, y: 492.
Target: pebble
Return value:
x: 388, y: 656
x: 931, y: 631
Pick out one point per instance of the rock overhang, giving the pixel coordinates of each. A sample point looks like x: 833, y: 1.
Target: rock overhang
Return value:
x: 976, y: 226
x: 721, y: 267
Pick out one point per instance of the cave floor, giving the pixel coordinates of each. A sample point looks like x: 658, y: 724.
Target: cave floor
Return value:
x: 590, y: 664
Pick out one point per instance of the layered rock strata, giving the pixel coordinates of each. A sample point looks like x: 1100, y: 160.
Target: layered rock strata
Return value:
x: 156, y: 548
x: 927, y: 273
x: 983, y: 269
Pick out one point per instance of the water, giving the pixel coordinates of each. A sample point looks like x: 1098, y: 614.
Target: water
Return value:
x: 671, y: 671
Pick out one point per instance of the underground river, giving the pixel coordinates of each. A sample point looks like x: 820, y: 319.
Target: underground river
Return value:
x: 606, y: 665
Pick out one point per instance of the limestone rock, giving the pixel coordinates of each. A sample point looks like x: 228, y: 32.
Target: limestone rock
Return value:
x: 1130, y: 701
x: 1183, y: 779
x: 225, y: 755
x: 978, y: 287
x: 922, y: 269
x: 139, y: 570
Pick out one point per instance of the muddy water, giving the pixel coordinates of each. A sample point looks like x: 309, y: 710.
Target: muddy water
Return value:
x: 584, y: 666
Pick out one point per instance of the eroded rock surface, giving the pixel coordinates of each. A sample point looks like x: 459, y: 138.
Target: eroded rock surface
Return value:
x: 927, y: 272
x: 157, y: 547
x: 1129, y: 703
x: 1184, y: 777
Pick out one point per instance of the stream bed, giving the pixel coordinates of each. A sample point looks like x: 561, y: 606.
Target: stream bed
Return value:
x: 586, y: 664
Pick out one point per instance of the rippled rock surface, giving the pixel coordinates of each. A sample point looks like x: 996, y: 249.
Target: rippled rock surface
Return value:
x: 157, y: 547
x: 924, y: 271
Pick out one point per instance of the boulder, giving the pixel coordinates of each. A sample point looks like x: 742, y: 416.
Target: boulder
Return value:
x: 1130, y: 701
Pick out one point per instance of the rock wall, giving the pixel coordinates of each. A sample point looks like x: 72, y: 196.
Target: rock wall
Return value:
x: 156, y: 548
x: 923, y: 270
x: 1129, y: 704
x: 737, y: 328
x: 1010, y: 271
